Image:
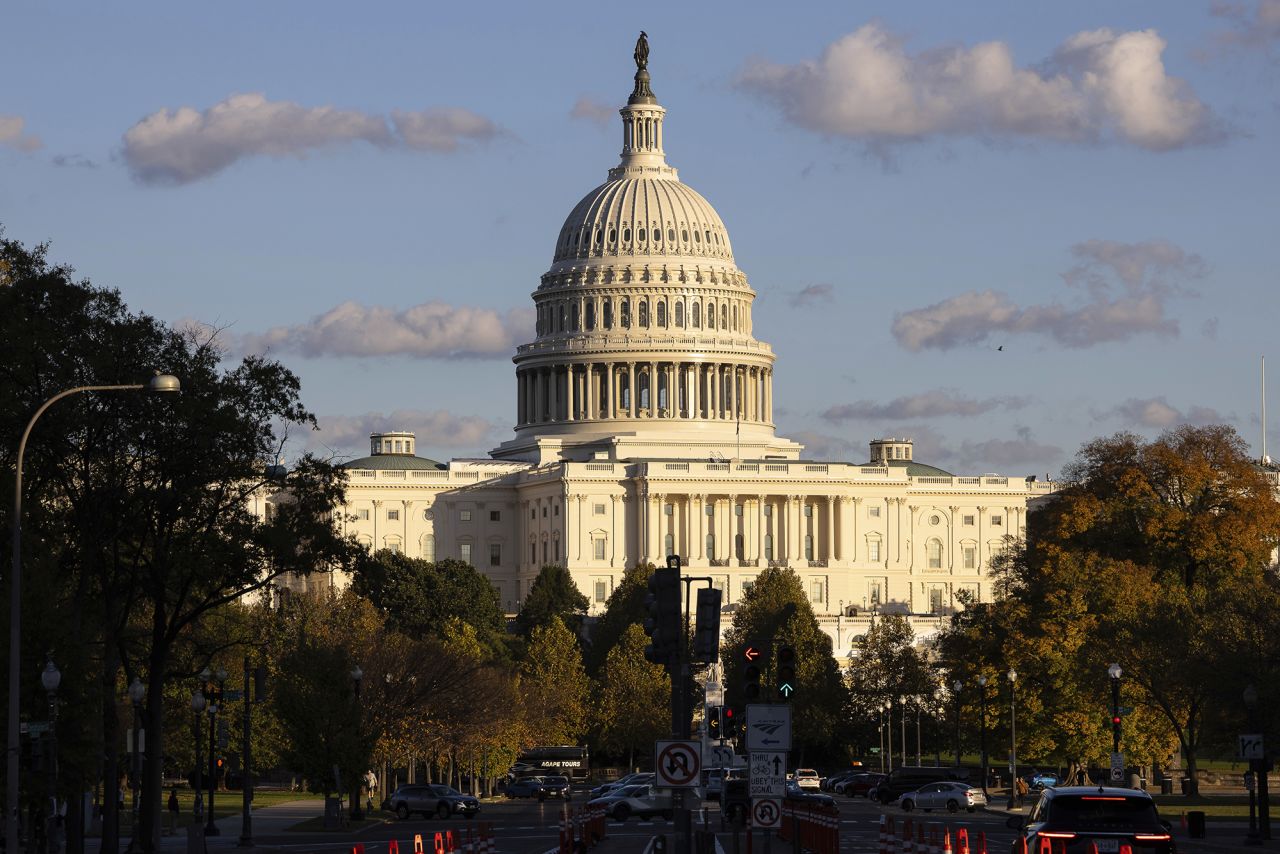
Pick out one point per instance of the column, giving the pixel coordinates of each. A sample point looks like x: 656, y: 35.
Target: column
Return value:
x: 615, y: 530
x: 768, y: 395
x: 731, y: 542
x: 631, y: 389
x: 695, y: 378
x: 793, y: 527
x: 520, y: 398
x: 762, y: 522
x: 714, y: 379
x: 653, y: 387
x: 570, y: 379
x: 831, y: 530
x: 539, y: 409
x: 589, y: 397
x: 700, y: 529
x: 656, y: 519
x: 733, y: 392
x: 953, y: 541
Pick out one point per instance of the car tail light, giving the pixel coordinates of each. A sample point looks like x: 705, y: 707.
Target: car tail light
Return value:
x: 1102, y: 798
x: 1056, y: 834
x: 1152, y: 837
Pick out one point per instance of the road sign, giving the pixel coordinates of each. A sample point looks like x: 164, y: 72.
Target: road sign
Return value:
x: 1117, y: 767
x: 1250, y: 747
x: 766, y: 812
x: 678, y: 764
x: 768, y: 774
x: 768, y: 727
x: 714, y: 694
x: 718, y: 756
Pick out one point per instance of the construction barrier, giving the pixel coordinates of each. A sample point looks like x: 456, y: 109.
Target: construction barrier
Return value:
x: 579, y: 829
x: 417, y: 844
x: 438, y: 843
x: 818, y: 830
x: 358, y: 848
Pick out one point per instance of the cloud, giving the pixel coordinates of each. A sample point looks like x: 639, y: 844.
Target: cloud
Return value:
x: 812, y: 295
x: 593, y: 111
x: 184, y: 145
x: 431, y: 330
x: 1256, y: 27
x: 929, y: 404
x: 1157, y: 413
x: 432, y: 429
x: 73, y: 161
x: 1007, y: 455
x: 821, y: 446
x: 1097, y: 86
x: 1127, y: 286
x: 11, y: 134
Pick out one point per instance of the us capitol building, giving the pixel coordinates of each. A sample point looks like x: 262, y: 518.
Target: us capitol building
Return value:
x: 644, y: 427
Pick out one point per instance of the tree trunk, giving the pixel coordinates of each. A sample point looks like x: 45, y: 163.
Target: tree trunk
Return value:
x: 110, y: 751
x: 1193, y: 780
x: 148, y: 833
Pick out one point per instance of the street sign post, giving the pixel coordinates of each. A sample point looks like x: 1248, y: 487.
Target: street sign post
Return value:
x: 766, y: 813
x: 1250, y: 747
x: 677, y: 764
x: 1117, y: 767
x: 768, y: 727
x: 768, y: 774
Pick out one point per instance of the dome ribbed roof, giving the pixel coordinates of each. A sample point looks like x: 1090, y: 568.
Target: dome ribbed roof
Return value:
x: 393, y: 462
x: 647, y: 217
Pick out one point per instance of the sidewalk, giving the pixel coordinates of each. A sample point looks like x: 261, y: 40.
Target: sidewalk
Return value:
x: 265, y: 821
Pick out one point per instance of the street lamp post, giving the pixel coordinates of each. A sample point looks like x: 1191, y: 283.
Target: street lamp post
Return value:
x: 137, y: 693
x: 982, y: 696
x: 357, y: 676
x: 880, y: 732
x: 1013, y: 737
x: 214, y: 682
x: 1256, y: 768
x: 160, y: 384
x: 1114, y: 672
x: 51, y: 678
x: 956, y: 686
x: 197, y: 707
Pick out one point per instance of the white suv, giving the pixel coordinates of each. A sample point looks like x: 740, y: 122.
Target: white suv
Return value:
x: 808, y: 779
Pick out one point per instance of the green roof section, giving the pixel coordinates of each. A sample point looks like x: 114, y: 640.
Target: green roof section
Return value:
x: 394, y: 462
x: 914, y: 469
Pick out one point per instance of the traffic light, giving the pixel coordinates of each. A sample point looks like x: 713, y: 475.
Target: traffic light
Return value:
x: 752, y: 669
x: 786, y: 671
x: 706, y: 627
x: 729, y: 722
x: 714, y: 728
x: 662, y: 623
x: 1115, y: 727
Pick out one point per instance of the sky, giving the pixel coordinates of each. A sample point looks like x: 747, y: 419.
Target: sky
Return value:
x: 1002, y: 229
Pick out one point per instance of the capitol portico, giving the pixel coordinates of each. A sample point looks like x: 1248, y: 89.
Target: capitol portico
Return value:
x: 644, y: 427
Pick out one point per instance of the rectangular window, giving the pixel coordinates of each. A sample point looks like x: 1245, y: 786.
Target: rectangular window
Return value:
x: 533, y: 512
x: 464, y: 515
x: 768, y: 510
x: 874, y: 511
x: 934, y: 551
x: 710, y: 509
x: 737, y: 509
x: 997, y: 521
x: 544, y: 548
x: 394, y: 547
x: 602, y: 591
x: 597, y: 509
x: 555, y: 511
x: 970, y: 557
x: 817, y: 591
x: 746, y: 587
x: 968, y: 520
x: 935, y: 599
x: 393, y: 515
x: 533, y: 552
x: 808, y: 511
x: 544, y: 512
x: 873, y: 550
x: 464, y: 552
x: 599, y: 547
x: 495, y: 515
x: 875, y: 592
x: 557, y: 551
x: 363, y: 514
x: 668, y: 509
x: 495, y: 554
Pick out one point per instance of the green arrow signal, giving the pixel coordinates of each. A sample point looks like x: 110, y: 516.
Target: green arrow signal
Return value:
x: 786, y: 689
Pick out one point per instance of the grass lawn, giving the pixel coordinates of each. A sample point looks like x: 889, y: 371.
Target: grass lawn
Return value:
x: 1214, y: 806
x: 225, y: 804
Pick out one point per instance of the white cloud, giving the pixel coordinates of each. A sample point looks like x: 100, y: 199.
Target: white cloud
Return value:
x: 822, y: 446
x: 11, y: 134
x: 429, y: 330
x: 1127, y: 286
x: 1158, y: 413
x: 821, y: 294
x: 929, y: 404
x: 1255, y: 27
x: 593, y: 111
x: 184, y: 145
x: 1097, y: 86
x: 432, y: 429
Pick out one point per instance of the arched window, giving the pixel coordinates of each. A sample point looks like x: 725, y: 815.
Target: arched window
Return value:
x: 573, y: 317
x: 808, y: 546
x: 429, y: 548
x: 934, y: 552
x: 625, y: 396
x: 735, y: 317
x: 669, y: 543
x: 768, y: 546
x: 625, y: 312
x: 738, y: 546
x: 657, y: 235
x: 696, y: 310
x: 724, y: 317
x: 644, y: 314
x: 680, y: 314
x: 608, y: 313
x: 711, y: 315
x: 662, y: 313
x: 590, y: 314
x: 711, y: 546
x: 644, y: 390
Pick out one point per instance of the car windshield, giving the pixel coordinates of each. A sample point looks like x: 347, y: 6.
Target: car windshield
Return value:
x: 447, y: 790
x: 1102, y: 812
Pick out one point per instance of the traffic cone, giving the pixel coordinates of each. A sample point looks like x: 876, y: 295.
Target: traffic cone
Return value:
x: 946, y: 840
x: 1020, y: 847
x: 1093, y: 847
x: 358, y: 848
x: 417, y: 844
x: 884, y: 846
x: 393, y: 847
x: 980, y: 847
x: 1126, y: 848
x: 962, y: 841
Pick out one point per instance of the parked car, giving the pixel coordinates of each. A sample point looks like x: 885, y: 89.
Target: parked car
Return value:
x: 640, y: 799
x: 556, y: 786
x: 526, y: 787
x: 805, y: 797
x: 808, y: 779
x: 627, y: 780
x: 1080, y: 817
x: 911, y: 777
x: 429, y: 800
x: 951, y: 796
x: 829, y: 783
x: 860, y: 784
x: 1040, y: 780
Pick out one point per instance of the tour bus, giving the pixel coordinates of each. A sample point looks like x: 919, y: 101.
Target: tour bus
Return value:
x: 566, y: 759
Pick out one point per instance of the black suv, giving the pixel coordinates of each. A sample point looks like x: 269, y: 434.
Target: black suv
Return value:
x: 1076, y: 816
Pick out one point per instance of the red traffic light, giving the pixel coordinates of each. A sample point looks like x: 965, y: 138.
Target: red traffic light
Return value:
x: 728, y: 711
x: 1116, y: 720
x: 750, y: 654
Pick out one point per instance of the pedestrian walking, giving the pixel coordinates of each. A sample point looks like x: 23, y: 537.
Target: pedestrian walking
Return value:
x: 173, y: 810
x: 1020, y: 788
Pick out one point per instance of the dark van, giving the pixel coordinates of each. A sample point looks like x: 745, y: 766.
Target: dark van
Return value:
x: 911, y: 777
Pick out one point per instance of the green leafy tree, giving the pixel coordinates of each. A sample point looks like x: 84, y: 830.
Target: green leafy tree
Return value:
x: 624, y: 609
x: 553, y: 597
x: 554, y: 685
x: 777, y: 611
x: 634, y: 708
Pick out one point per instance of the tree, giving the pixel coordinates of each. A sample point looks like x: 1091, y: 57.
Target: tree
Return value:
x: 553, y: 597
x: 554, y: 685
x: 776, y: 611
x: 634, y: 698
x: 624, y: 609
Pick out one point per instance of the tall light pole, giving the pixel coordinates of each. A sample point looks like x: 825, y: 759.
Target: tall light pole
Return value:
x: 213, y: 683
x: 1013, y: 737
x: 1114, y: 672
x: 956, y: 686
x: 137, y: 693
x: 197, y: 706
x: 982, y: 696
x: 159, y: 384
x: 357, y: 810
x: 1250, y: 698
x: 51, y: 678
x: 880, y: 732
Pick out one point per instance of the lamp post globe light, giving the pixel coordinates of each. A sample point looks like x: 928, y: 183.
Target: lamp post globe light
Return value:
x: 982, y: 699
x: 158, y: 384
x: 1013, y: 737
x: 955, y: 687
